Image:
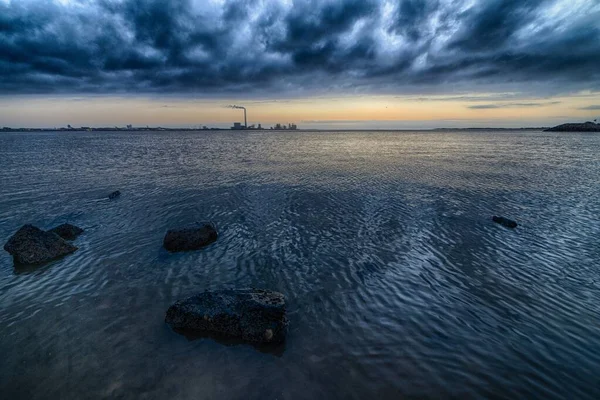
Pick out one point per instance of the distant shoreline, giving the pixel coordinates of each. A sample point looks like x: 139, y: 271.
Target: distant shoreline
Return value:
x: 160, y: 129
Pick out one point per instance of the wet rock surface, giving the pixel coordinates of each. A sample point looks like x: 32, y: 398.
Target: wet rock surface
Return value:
x: 67, y: 231
x: 188, y: 239
x: 505, y: 222
x: 31, y: 245
x: 252, y: 315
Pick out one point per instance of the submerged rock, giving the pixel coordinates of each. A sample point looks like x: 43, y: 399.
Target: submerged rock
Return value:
x: 67, y: 231
x: 114, y: 195
x: 256, y: 316
x: 504, y: 221
x: 31, y: 245
x: 189, y: 238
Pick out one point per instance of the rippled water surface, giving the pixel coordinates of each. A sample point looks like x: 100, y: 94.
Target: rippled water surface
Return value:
x: 398, y: 284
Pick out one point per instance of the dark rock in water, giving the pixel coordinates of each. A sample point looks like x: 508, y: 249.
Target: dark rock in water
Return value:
x: 256, y: 316
x: 504, y: 221
x: 31, y: 245
x: 67, y: 231
x: 189, y: 238
x: 114, y: 195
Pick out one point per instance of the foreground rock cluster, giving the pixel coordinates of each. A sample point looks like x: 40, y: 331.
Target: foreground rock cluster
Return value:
x: 31, y: 245
x: 252, y: 315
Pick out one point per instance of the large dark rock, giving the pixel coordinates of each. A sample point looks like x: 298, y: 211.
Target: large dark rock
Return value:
x: 504, y: 221
x: 114, y: 195
x: 256, y: 316
x: 31, y: 245
x: 67, y: 231
x: 189, y: 238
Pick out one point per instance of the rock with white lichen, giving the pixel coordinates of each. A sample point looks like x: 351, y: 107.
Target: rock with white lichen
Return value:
x: 253, y: 315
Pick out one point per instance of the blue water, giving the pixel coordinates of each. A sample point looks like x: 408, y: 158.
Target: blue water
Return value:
x: 398, y: 283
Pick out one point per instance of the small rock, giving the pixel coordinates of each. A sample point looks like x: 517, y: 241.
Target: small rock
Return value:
x: 189, y: 238
x: 67, y: 231
x: 31, y: 245
x: 114, y: 195
x: 253, y: 315
x: 504, y: 221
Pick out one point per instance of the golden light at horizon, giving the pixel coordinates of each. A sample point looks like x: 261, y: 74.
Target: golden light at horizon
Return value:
x: 120, y: 111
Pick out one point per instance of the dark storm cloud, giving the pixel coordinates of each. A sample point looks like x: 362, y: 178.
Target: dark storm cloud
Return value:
x: 276, y: 47
x: 493, y: 23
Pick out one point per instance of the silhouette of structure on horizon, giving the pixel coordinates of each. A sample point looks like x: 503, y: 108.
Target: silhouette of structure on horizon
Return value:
x: 280, y: 127
x: 130, y: 127
x: 238, y: 125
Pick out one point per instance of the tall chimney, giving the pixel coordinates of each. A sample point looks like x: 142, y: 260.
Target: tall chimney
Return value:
x: 245, y: 120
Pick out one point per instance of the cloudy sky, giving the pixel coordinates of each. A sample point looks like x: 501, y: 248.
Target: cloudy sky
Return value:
x: 327, y: 63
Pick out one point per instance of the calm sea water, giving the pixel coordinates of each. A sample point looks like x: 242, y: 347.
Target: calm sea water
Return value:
x: 398, y: 284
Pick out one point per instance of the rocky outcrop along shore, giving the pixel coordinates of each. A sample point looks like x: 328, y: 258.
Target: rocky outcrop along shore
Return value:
x: 585, y: 127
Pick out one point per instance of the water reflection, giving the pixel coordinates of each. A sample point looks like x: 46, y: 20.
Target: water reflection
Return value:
x: 397, y: 282
x: 273, y: 349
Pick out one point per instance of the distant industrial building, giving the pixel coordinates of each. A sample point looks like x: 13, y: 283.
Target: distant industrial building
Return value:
x: 280, y: 127
x: 239, y: 126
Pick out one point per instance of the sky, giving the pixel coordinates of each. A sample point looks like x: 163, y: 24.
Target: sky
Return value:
x: 335, y: 64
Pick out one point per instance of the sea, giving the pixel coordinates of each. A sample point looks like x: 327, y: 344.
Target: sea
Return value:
x: 398, y: 283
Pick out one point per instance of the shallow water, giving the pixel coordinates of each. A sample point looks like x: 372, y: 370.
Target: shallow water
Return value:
x: 398, y: 284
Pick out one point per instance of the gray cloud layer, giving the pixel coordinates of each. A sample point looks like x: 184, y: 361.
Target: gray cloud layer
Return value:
x: 267, y: 47
x: 512, y: 105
